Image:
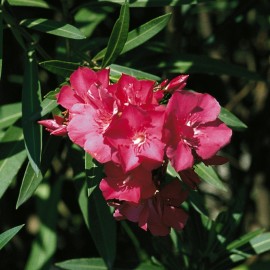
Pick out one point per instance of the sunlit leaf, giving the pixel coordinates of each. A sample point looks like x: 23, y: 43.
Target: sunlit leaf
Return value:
x: 6, y: 236
x: 60, y: 68
x: 12, y: 156
x: 209, y: 175
x: 261, y: 243
x: 9, y: 114
x: 244, y: 239
x: 83, y: 264
x: 31, y: 99
x: 30, y: 180
x: 118, y: 36
x: 116, y: 72
x: 30, y: 3
x: 141, y: 34
x: 53, y: 28
x: 231, y: 120
x: 45, y: 243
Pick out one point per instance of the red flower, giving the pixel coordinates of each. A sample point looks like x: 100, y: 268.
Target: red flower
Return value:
x: 192, y: 128
x: 136, y: 137
x: 158, y: 214
x: 132, y: 186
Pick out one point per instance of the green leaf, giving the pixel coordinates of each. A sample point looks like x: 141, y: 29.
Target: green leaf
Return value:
x: 208, y: 174
x: 96, y: 212
x: 243, y: 239
x: 231, y: 120
x: 156, y: 3
x: 83, y: 264
x: 45, y: 243
x: 60, y: 68
x: 53, y: 27
x: 116, y: 71
x: 30, y: 3
x: 191, y: 63
x: 31, y: 99
x: 1, y: 41
x: 141, y: 34
x: 88, y: 19
x: 118, y: 36
x: 6, y: 236
x: 148, y: 266
x: 9, y: 114
x: 261, y: 243
x: 12, y: 156
x: 30, y: 180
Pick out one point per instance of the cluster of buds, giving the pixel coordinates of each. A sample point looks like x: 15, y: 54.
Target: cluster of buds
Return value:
x: 129, y: 128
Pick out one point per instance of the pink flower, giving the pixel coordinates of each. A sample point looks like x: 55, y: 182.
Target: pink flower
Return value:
x: 136, y: 136
x: 56, y: 126
x: 192, y: 128
x: 132, y: 186
x: 158, y: 214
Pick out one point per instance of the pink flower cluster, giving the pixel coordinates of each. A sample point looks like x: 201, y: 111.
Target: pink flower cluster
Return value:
x: 125, y: 126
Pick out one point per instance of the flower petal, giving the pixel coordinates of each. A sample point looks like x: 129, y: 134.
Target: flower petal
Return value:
x: 67, y: 97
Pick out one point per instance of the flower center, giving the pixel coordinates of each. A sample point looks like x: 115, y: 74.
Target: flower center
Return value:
x: 139, y: 139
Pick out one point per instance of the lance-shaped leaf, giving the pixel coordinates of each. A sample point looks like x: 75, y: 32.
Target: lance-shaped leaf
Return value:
x: 45, y: 243
x: 209, y: 175
x: 191, y: 63
x: 231, y: 120
x: 9, y: 114
x: 83, y: 264
x: 118, y: 36
x: 116, y: 71
x: 1, y: 41
x: 12, y: 156
x: 6, y: 236
x: 30, y: 3
x: 31, y: 99
x: 60, y: 68
x: 30, y: 180
x: 141, y: 34
x: 53, y: 27
x: 156, y: 3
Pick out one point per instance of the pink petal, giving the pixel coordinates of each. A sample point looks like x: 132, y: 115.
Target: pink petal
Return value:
x: 67, y: 97
x: 82, y: 79
x: 181, y: 157
x: 212, y: 137
x: 190, y: 178
x: 129, y: 160
x: 103, y: 76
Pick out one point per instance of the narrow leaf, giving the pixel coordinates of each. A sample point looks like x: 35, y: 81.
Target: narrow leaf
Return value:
x: 9, y: 114
x: 208, y: 174
x: 6, y: 236
x: 261, y: 243
x: 53, y: 28
x: 116, y: 71
x: 30, y: 180
x: 141, y: 34
x: 45, y: 243
x: 118, y: 36
x: 30, y: 3
x: 156, y: 3
x: 231, y: 120
x: 12, y: 156
x: 191, y: 63
x: 83, y: 264
x: 244, y: 239
x: 60, y: 68
x: 31, y: 99
x: 1, y: 41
